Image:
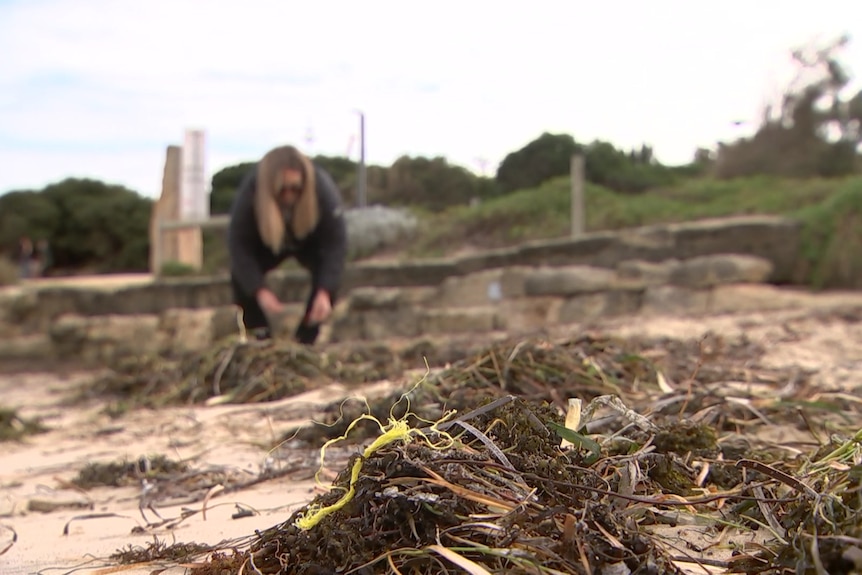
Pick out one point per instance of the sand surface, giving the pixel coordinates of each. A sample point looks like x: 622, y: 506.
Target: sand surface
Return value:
x: 826, y: 337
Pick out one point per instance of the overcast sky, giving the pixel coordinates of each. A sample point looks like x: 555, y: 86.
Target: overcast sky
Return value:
x: 99, y: 88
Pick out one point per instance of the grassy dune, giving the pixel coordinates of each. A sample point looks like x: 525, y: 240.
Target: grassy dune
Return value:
x: 831, y: 212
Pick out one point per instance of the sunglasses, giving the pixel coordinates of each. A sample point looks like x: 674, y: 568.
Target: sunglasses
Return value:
x: 295, y: 188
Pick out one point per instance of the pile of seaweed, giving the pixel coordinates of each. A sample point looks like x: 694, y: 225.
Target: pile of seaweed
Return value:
x: 233, y: 371
x: 592, y: 454
x: 515, y: 487
x: 712, y: 380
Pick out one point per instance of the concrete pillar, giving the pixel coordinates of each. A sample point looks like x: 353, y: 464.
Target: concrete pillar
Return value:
x: 185, y: 245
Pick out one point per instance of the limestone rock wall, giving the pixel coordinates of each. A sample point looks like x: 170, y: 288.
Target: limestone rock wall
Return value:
x: 524, y: 298
x: 678, y: 269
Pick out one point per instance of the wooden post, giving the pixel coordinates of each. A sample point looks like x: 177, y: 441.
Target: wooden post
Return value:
x: 577, y: 195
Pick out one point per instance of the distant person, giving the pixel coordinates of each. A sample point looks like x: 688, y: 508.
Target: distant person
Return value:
x: 25, y: 257
x: 286, y: 207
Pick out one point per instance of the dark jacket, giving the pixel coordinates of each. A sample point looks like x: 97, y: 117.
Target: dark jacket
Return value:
x: 322, y: 252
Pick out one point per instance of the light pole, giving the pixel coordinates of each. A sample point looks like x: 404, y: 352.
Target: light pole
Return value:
x: 361, y: 186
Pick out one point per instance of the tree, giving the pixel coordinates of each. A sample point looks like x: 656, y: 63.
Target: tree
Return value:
x: 546, y: 157
x: 99, y: 226
x: 224, y: 185
x: 432, y: 183
x: 26, y: 213
x: 814, y: 132
x: 629, y: 173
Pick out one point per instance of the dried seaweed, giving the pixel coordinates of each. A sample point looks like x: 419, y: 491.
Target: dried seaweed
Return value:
x: 158, y: 550
x: 667, y: 468
x: 712, y: 382
x: 250, y: 372
x: 13, y: 427
x: 505, y: 498
x: 122, y: 473
x: 418, y: 508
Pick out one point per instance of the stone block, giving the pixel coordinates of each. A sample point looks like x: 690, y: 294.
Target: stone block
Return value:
x: 646, y: 273
x: 675, y: 300
x: 187, y: 330
x: 567, y: 281
x: 513, y: 281
x: 35, y: 348
x: 587, y: 307
x: 376, y: 298
x: 474, y: 289
x: 105, y: 339
x: 718, y: 269
x: 463, y: 320
x: 529, y: 314
x: 774, y: 238
x: 589, y: 249
x: 738, y: 298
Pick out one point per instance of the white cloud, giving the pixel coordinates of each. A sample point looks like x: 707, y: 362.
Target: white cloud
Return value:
x: 104, y: 86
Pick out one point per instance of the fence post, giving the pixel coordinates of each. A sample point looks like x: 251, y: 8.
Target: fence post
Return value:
x: 157, y: 247
x: 577, y: 170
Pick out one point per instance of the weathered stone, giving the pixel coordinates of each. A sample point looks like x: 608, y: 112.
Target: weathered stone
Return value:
x: 68, y: 335
x: 592, y: 306
x: 398, y: 274
x: 486, y: 260
x: 529, y: 313
x: 589, y: 249
x: 35, y: 347
x: 225, y: 322
x: 187, y: 329
x: 391, y: 299
x: 138, y: 297
x: 402, y: 323
x: 755, y: 297
x: 17, y: 307
x: 649, y: 238
x: 513, y: 281
x: 104, y: 339
x: 566, y: 281
x: 480, y: 288
x: 463, y: 320
x: 712, y: 270
x: 375, y: 298
x: 772, y: 237
x: 645, y: 273
x: 8, y: 326
x: 674, y: 300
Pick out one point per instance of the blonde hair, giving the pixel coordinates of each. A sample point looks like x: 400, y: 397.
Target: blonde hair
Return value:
x: 270, y: 221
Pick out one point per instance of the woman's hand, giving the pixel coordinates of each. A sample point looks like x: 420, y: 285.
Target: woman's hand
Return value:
x: 268, y: 302
x: 321, y: 308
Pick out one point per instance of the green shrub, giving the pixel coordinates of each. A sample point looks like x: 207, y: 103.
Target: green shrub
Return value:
x: 832, y: 240
x: 178, y: 269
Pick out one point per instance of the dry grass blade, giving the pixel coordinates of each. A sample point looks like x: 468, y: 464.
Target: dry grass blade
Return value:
x: 501, y: 457
x: 459, y: 560
x: 495, y: 505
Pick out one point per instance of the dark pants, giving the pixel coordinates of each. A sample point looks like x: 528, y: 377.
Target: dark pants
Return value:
x: 254, y: 318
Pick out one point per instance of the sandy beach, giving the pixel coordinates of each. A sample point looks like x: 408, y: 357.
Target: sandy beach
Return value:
x: 38, y: 501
